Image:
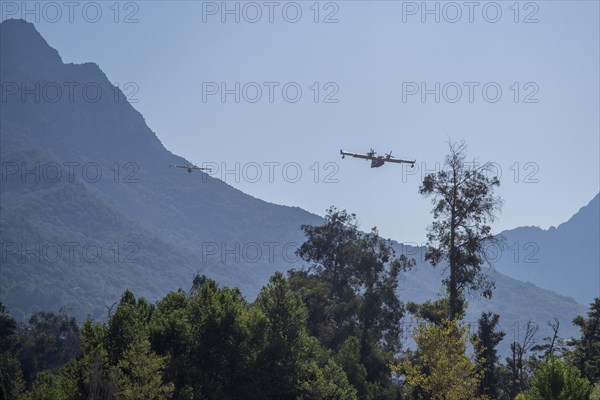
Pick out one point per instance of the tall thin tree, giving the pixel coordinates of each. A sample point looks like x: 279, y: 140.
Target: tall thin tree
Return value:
x: 463, y: 204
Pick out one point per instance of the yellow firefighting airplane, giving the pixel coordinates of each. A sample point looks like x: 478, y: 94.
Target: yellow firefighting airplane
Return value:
x: 377, y: 161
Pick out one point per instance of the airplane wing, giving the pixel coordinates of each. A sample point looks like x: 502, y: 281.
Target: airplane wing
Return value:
x: 357, y: 155
x: 399, y: 161
x: 201, y: 168
x: 176, y: 166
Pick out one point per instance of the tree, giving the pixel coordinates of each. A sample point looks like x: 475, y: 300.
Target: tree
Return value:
x: 170, y: 334
x: 220, y: 358
x: 46, y: 387
x: 351, y: 285
x: 139, y: 374
x: 11, y: 376
x: 487, y: 339
x: 331, y: 248
x: 516, y: 362
x: 464, y: 203
x: 92, y: 372
x: 350, y: 289
x: 291, y: 364
x: 327, y: 382
x: 315, y: 293
x: 552, y: 345
x: 285, y: 340
x: 127, y: 325
x: 442, y: 369
x: 49, y: 341
x: 555, y: 380
x: 435, y: 311
x: 595, y: 394
x: 331, y: 251
x: 586, y: 349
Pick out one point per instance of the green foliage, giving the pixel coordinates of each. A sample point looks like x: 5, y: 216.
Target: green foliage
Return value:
x: 46, y: 387
x: 170, y: 334
x: 519, y: 366
x: 487, y: 339
x: 212, y: 344
x: 350, y: 290
x: 139, y: 374
x: 348, y: 356
x: 442, y: 369
x: 219, y: 354
x: 463, y: 203
x: 8, y: 330
x: 595, y: 393
x: 47, y: 343
x: 586, y: 349
x: 285, y: 338
x: 127, y: 325
x: 290, y: 363
x: 91, y: 372
x: 554, y: 379
x: 436, y: 311
x: 327, y: 382
x: 11, y: 375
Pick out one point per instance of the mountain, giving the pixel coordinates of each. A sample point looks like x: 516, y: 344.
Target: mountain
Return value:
x: 172, y: 222
x: 89, y: 206
x: 565, y: 259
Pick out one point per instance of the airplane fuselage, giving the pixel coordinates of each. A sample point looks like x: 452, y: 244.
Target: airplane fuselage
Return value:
x: 377, y: 162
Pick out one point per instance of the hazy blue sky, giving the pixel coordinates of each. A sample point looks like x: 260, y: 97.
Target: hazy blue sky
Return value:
x: 544, y: 138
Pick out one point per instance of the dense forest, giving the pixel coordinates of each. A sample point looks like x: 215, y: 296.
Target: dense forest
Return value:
x: 292, y: 342
x: 335, y: 329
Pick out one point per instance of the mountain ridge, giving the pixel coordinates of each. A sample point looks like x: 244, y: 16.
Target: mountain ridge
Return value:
x: 562, y: 258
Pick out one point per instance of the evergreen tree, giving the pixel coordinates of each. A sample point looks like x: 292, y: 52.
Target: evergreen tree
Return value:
x: 586, y: 349
x: 139, y: 374
x: 170, y: 334
x: 127, y: 325
x: 46, y: 387
x: 220, y: 359
x: 285, y: 344
x: 487, y: 339
x: 291, y: 364
x: 464, y: 203
x: 93, y: 371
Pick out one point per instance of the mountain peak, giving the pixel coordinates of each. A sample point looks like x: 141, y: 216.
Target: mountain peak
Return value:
x: 564, y: 259
x: 588, y: 214
x: 21, y: 41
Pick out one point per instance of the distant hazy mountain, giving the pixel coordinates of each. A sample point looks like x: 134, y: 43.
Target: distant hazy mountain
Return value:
x: 172, y: 222
x: 565, y: 259
x: 155, y: 227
